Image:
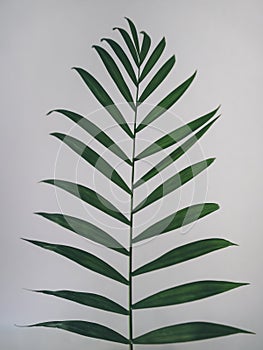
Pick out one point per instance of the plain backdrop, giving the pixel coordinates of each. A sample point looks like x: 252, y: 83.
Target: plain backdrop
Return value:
x: 40, y: 41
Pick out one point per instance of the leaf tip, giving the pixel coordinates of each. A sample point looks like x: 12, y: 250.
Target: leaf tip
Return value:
x: 25, y: 239
x: 246, y: 284
x: 217, y: 206
x: 50, y: 112
x: 75, y: 68
x: 210, y: 160
x: 247, y: 332
x: 39, y: 213
x: 29, y: 290
x: 19, y: 326
x: 48, y: 181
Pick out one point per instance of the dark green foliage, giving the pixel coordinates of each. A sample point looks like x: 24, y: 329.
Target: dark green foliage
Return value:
x: 88, y: 299
x: 85, y: 229
x: 187, y: 332
x: 85, y: 259
x: 91, y: 197
x: 184, y: 253
x: 186, y: 293
x: 88, y: 329
x: 137, y: 60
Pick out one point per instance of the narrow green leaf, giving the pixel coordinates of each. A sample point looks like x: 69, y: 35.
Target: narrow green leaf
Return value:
x: 116, y: 75
x: 126, y: 37
x: 166, y: 103
x: 176, y: 135
x: 122, y: 57
x: 88, y: 299
x: 186, y: 332
x: 146, y: 44
x: 88, y: 329
x: 134, y: 34
x: 186, y: 293
x: 184, y: 253
x: 174, y: 183
x: 85, y: 259
x: 156, y: 54
x: 104, y: 99
x: 181, y: 218
x: 85, y: 229
x: 93, y: 158
x: 89, y: 196
x: 94, y: 131
x: 157, y: 79
x: 176, y: 154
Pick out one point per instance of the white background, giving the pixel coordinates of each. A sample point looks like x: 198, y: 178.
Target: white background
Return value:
x: 40, y: 41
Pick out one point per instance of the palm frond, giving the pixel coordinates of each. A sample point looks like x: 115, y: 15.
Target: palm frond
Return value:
x: 137, y: 61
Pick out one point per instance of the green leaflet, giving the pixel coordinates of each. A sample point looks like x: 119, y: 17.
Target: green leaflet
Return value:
x: 176, y: 154
x: 122, y: 57
x: 104, y: 99
x: 134, y: 34
x: 184, y: 253
x: 157, y: 79
x: 176, y: 135
x: 179, y: 219
x: 186, y: 332
x: 88, y: 299
x: 93, y: 158
x: 88, y: 329
x: 116, y: 75
x: 166, y: 103
x: 146, y: 44
x: 129, y: 44
x: 85, y: 259
x: 186, y: 293
x: 94, y: 131
x: 85, y: 229
x: 156, y: 54
x: 89, y: 196
x: 174, y: 183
